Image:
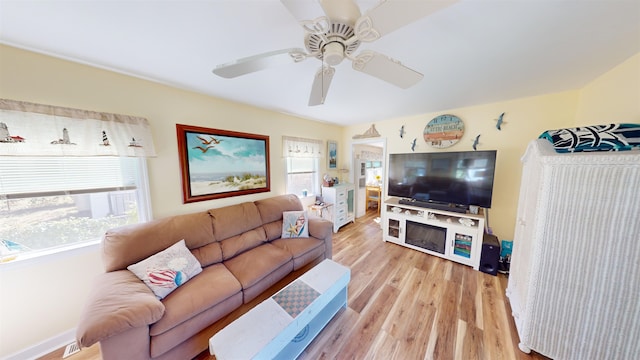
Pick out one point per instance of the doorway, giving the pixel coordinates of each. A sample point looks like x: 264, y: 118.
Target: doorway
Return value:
x: 369, y: 164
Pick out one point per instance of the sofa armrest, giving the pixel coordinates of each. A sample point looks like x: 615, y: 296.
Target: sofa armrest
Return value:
x: 322, y: 229
x: 119, y: 301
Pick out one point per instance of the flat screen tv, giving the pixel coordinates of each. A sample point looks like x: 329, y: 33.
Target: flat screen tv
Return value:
x: 453, y: 178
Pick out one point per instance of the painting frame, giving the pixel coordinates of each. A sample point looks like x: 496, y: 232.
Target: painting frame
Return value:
x: 217, y: 163
x: 332, y: 155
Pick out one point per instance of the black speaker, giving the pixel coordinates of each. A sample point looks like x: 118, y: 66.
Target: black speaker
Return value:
x: 490, y: 257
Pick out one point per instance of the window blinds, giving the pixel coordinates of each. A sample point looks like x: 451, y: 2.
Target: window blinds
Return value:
x: 45, y: 176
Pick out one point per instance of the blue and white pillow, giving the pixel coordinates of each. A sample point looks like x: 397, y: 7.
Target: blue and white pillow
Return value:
x: 611, y: 137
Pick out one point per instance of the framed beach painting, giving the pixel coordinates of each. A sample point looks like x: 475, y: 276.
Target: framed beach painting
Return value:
x: 332, y: 151
x: 219, y: 163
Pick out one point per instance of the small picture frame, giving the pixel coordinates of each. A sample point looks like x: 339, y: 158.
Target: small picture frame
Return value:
x: 332, y: 155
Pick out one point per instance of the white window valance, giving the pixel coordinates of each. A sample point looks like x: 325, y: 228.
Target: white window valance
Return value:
x: 371, y: 155
x: 28, y: 129
x: 302, y: 148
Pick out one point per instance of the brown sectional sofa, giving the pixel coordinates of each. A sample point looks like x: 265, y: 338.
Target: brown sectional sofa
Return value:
x: 244, y: 260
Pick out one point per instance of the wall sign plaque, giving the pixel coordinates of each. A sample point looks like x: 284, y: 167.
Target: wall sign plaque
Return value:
x: 443, y: 131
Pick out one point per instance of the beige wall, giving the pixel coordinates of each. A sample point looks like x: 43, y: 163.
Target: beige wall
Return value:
x: 41, y: 79
x: 43, y: 301
x: 524, y: 120
x: 613, y: 97
x: 26, y: 296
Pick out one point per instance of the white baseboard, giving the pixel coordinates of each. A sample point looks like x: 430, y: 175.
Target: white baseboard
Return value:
x: 44, y: 347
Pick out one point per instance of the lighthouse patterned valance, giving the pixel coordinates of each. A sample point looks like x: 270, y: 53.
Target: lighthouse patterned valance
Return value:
x: 29, y: 129
x: 302, y: 148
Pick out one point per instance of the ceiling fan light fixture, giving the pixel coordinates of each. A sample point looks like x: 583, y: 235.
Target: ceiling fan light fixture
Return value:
x: 333, y: 53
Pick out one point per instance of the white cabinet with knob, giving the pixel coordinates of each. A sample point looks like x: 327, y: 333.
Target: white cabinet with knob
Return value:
x: 342, y: 197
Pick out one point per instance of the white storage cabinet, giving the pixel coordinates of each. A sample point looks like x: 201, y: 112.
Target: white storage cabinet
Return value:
x: 574, y: 282
x: 341, y: 196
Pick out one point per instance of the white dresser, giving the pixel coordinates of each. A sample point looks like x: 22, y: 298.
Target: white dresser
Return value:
x: 341, y: 196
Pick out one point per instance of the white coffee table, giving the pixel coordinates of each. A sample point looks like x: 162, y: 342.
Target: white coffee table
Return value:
x: 283, y: 325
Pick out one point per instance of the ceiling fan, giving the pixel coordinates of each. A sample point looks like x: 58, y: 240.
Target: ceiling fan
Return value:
x: 337, y: 35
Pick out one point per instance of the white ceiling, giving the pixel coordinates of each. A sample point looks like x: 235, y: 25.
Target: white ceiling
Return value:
x: 472, y: 52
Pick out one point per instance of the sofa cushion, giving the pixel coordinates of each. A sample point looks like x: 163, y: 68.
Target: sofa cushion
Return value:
x: 294, y: 224
x: 163, y: 344
x: 258, y: 264
x: 209, y: 254
x: 119, y: 301
x: 165, y: 271
x: 240, y: 243
x: 129, y: 244
x: 268, y: 281
x: 271, y: 210
x: 273, y: 230
x: 234, y: 220
x: 303, y: 250
x: 214, y: 285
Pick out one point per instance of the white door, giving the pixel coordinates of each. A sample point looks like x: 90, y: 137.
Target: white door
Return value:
x: 358, y: 147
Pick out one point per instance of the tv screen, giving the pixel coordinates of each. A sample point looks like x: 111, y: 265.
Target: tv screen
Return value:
x: 460, y: 178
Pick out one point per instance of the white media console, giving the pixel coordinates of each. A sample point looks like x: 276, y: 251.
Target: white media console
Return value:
x: 450, y: 235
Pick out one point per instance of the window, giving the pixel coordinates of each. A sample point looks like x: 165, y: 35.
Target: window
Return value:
x: 68, y: 175
x: 302, y: 157
x: 50, y: 203
x: 374, y: 173
x: 302, y: 175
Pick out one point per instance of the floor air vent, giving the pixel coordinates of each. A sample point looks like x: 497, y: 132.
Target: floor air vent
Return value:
x: 71, y: 349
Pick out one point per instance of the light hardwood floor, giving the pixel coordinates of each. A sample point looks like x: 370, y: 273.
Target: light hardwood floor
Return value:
x: 404, y: 304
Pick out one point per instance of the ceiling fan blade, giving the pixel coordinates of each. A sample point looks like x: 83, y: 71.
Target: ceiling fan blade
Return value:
x: 303, y: 10
x: 259, y: 62
x: 341, y: 11
x: 320, y: 86
x: 386, y: 68
x: 391, y: 15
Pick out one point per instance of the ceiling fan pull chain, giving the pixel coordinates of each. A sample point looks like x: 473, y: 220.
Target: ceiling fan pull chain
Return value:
x: 323, y: 70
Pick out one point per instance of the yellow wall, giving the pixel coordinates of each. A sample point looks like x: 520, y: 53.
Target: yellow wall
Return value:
x: 25, y: 296
x: 43, y: 301
x: 613, y: 97
x: 524, y: 120
x: 41, y: 79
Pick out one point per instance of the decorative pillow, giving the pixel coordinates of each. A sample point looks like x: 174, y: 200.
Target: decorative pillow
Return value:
x: 168, y: 269
x: 294, y: 224
x: 611, y: 137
